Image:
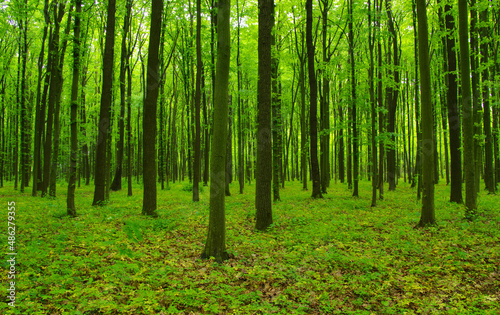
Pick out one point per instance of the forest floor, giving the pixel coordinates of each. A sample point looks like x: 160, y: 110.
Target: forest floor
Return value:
x: 335, y: 255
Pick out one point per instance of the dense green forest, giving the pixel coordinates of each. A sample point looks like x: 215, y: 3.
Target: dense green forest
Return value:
x: 250, y: 157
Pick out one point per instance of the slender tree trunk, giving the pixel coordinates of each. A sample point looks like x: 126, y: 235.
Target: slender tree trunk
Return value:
x: 70, y: 201
x: 454, y: 119
x: 117, y: 181
x: 371, y: 71
x: 263, y: 203
x: 53, y: 60
x: 229, y: 147
x: 355, y: 140
x: 129, y: 127
x: 476, y: 106
x: 104, y: 114
x: 241, y: 144
x: 57, y: 110
x: 324, y: 103
x: 276, y: 120
x: 206, y: 127
x: 467, y: 115
x: 303, y: 127
x: 313, y: 121
x: 40, y: 110
x: 24, y: 119
x: 215, y: 245
x: 417, y: 177
x: 197, y: 104
x: 381, y: 107
x: 392, y: 99
x: 427, y: 214
x: 489, y: 175
x: 150, y: 106
x: 444, y: 103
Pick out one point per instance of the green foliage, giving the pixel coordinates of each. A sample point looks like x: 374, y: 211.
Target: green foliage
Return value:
x: 189, y: 187
x: 335, y: 255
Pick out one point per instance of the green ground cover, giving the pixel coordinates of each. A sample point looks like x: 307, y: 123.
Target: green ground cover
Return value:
x: 335, y: 255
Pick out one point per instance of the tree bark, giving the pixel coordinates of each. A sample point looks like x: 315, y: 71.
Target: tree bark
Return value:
x: 197, y: 105
x: 104, y: 114
x: 40, y: 109
x: 58, y: 12
x: 215, y: 245
x: 70, y: 200
x: 489, y: 175
x: 427, y: 213
x: 371, y: 72
x: 313, y: 120
x: 467, y: 115
x: 355, y: 140
x: 117, y: 181
x: 150, y: 108
x: 263, y: 203
x: 392, y: 99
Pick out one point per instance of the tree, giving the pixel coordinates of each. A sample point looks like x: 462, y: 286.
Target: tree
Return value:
x: 117, y: 181
x: 453, y: 112
x: 40, y: 109
x: 150, y: 106
x: 392, y: 102
x: 241, y: 141
x: 215, y: 245
x: 276, y: 119
x: 197, y: 104
x: 24, y: 119
x: 489, y: 175
x: 313, y: 121
x: 467, y: 118
x: 263, y: 205
x: 70, y: 201
x: 355, y: 140
x: 58, y: 12
x: 371, y: 74
x: 427, y: 214
x: 104, y: 113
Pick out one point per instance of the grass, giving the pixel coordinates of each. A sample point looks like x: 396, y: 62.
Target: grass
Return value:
x: 335, y: 255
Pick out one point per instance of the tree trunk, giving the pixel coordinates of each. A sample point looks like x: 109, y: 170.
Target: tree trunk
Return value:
x: 40, y: 110
x: 467, y: 118
x: 70, y: 201
x: 263, y: 203
x: 371, y: 71
x: 57, y: 110
x: 476, y: 106
x: 427, y: 214
x: 104, y: 114
x: 324, y: 103
x: 229, y: 147
x: 489, y: 175
x: 206, y: 150
x: 150, y: 106
x: 53, y: 61
x: 117, y: 181
x: 129, y: 127
x: 303, y: 126
x: 276, y: 120
x: 24, y: 119
x: 313, y: 120
x: 355, y: 140
x: 215, y: 245
x: 392, y: 99
x: 241, y: 143
x: 454, y: 119
x: 197, y: 104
